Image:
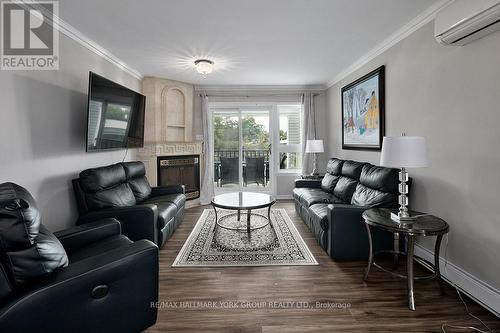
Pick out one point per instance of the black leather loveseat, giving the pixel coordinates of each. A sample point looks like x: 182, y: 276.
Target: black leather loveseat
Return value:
x: 332, y: 207
x: 88, y: 278
x: 122, y: 191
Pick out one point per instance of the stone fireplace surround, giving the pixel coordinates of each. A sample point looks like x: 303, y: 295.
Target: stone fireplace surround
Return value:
x: 168, y: 124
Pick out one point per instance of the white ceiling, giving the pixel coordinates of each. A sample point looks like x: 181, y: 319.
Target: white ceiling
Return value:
x: 253, y: 42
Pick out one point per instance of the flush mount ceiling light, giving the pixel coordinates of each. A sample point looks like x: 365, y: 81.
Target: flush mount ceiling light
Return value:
x: 204, y: 66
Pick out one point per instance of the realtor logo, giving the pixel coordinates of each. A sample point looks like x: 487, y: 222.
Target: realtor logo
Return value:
x: 29, y: 35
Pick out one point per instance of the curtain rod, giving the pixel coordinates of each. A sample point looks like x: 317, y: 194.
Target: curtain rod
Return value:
x: 250, y: 96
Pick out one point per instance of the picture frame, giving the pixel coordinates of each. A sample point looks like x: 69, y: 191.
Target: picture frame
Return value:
x: 363, y: 112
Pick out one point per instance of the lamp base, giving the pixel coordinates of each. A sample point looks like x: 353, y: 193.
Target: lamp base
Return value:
x: 406, y: 220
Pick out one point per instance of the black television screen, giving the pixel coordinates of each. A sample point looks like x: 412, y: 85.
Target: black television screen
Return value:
x: 115, y: 116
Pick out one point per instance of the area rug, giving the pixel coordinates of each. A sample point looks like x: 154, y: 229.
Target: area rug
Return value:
x: 276, y: 245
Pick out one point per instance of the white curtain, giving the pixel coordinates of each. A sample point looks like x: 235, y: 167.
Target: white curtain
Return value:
x: 309, y: 133
x: 207, y: 181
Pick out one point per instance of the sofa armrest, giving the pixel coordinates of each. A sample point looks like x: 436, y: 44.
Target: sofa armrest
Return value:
x: 76, y: 237
x: 67, y: 300
x: 169, y: 189
x: 137, y: 222
x: 308, y: 183
x: 347, y: 238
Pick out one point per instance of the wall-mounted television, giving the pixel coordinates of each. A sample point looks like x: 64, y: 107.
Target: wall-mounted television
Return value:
x: 115, y: 116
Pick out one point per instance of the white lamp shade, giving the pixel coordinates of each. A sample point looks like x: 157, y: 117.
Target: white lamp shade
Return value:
x: 404, y: 152
x: 314, y: 146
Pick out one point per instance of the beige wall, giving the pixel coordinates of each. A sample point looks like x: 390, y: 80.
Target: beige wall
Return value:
x: 42, y: 129
x: 450, y: 95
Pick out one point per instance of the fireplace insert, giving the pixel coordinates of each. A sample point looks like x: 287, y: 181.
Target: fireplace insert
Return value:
x: 180, y: 170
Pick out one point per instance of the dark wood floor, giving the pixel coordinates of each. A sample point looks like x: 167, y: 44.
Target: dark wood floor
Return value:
x: 377, y: 306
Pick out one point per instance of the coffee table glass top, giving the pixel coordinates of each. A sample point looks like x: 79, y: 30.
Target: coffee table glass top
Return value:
x: 243, y: 200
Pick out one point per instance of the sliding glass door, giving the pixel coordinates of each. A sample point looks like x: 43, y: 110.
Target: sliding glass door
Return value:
x: 242, y: 149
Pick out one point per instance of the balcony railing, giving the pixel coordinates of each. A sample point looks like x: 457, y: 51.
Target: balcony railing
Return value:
x: 221, y: 179
x: 246, y: 153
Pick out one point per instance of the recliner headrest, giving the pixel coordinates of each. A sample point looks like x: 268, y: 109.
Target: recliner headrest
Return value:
x: 15, y: 198
x: 28, y: 250
x: 380, y: 178
x: 97, y: 179
x: 134, y: 169
x: 352, y: 169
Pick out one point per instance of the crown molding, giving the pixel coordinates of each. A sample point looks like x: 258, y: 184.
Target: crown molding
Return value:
x: 260, y: 88
x: 425, y: 17
x: 68, y: 30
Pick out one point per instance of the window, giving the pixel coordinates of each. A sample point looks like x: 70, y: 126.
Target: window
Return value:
x: 253, y: 142
x: 290, y: 137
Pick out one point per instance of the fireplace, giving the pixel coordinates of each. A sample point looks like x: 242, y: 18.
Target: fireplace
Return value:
x: 180, y: 170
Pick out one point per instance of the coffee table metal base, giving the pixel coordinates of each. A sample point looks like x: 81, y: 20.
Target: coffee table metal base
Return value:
x: 249, y: 226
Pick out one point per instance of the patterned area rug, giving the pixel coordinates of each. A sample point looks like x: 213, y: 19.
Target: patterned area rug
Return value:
x: 276, y: 244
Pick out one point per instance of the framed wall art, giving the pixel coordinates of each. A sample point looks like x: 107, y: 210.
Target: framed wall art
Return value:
x: 363, y: 112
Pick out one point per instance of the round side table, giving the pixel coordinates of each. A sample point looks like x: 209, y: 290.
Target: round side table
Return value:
x: 424, y: 225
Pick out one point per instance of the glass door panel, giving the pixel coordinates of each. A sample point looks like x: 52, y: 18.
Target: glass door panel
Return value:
x: 227, y: 157
x: 256, y: 149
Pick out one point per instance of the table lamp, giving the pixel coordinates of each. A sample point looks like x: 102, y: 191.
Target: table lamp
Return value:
x: 314, y: 146
x: 403, y: 152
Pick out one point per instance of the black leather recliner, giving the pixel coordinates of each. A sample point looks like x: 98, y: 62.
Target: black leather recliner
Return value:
x: 122, y: 191
x: 332, y: 207
x: 88, y: 278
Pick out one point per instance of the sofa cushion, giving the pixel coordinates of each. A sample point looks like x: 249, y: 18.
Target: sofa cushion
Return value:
x: 344, y: 188
x: 118, y: 196
x: 313, y: 196
x: 297, y: 192
x: 97, y: 179
x: 166, y: 213
x: 319, y: 214
x: 28, y: 249
x: 352, y: 169
x: 380, y: 178
x: 328, y: 182
x: 136, y: 177
x: 177, y: 199
x: 368, y: 197
x: 334, y: 166
x: 140, y: 187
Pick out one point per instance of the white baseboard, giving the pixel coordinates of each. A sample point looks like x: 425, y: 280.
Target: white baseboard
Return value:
x: 283, y: 196
x: 480, y: 291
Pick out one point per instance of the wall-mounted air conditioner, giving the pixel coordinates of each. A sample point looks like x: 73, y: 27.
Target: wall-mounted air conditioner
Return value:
x: 464, y: 21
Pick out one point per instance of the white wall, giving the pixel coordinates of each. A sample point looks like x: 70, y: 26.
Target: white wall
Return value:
x: 42, y: 129
x: 450, y: 95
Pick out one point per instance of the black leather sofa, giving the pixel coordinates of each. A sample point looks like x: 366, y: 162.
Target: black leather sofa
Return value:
x: 122, y: 191
x: 332, y: 207
x: 88, y: 278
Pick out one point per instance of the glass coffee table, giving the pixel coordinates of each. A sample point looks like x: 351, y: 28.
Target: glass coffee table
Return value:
x: 243, y: 201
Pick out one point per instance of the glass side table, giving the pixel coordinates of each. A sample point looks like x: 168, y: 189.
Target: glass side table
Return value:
x: 424, y: 225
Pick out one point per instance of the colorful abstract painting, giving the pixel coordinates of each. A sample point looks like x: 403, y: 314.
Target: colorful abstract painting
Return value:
x: 363, y: 112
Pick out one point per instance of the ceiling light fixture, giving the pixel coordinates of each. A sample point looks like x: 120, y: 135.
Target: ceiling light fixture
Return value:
x: 204, y: 66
